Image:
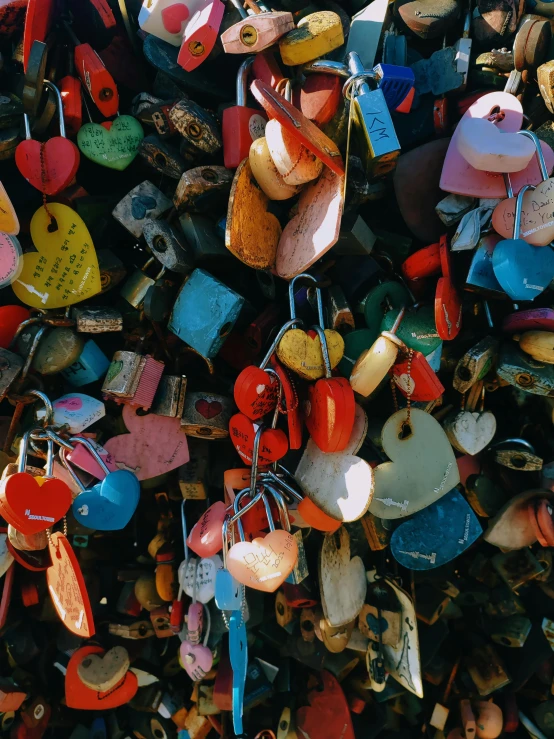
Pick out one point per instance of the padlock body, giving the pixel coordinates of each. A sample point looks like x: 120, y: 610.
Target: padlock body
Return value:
x: 90, y: 366
x: 241, y: 126
x: 97, y: 80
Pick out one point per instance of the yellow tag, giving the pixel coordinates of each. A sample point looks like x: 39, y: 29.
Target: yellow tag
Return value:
x: 8, y: 217
x: 64, y: 269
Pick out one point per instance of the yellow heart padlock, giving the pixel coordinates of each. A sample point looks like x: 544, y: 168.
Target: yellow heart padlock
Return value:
x: 64, y: 269
x: 301, y: 351
x: 9, y: 223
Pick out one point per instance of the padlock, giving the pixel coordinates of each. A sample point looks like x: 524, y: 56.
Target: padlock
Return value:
x: 144, y: 201
x: 90, y: 366
x: 203, y: 189
x: 207, y: 415
x: 374, y: 364
x: 50, y: 349
x: 70, y: 92
x: 316, y: 34
x: 196, y: 125
x: 165, y: 19
x: 132, y: 379
x: 168, y: 246
x: 241, y: 125
x: 10, y: 367
x: 40, y: 163
x: 200, y: 35
x: 192, y: 476
x: 519, y: 370
x: 169, y: 399
x: 162, y: 156
x: 137, y: 285
x: 209, y: 330
x: 475, y: 364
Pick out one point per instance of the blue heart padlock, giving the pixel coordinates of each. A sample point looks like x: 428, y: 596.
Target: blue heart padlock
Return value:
x: 524, y: 271
x: 110, y: 504
x: 437, y: 534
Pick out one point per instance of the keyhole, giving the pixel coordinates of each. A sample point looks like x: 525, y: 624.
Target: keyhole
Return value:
x: 160, y: 160
x: 518, y: 461
x: 160, y: 244
x: 405, y: 431
x: 196, y: 48
x: 194, y: 130
x: 210, y: 175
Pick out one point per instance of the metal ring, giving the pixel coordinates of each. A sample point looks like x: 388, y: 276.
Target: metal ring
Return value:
x: 365, y: 75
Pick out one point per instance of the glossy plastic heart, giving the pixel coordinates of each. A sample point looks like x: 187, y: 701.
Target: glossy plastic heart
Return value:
x: 196, y: 659
x: 329, y: 413
x: 68, y: 268
x: 488, y: 148
x: 301, y: 352
x: 423, y: 466
x: 255, y: 392
x: 50, y: 167
x: 523, y: 271
x: 116, y: 148
x: 263, y: 564
x: 458, y: 176
x: 273, y: 443
x: 78, y: 695
x: 32, y: 507
x: 436, y: 535
x: 205, y: 538
x: 154, y: 445
x: 470, y: 433
x: 537, y: 215
x: 110, y: 504
x: 67, y: 588
x: 9, y: 222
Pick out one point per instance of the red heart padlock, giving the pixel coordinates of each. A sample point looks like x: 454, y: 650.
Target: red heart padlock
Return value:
x: 330, y: 407
x: 448, y: 303
x: 52, y: 166
x: 422, y: 263
x: 78, y: 695
x: 418, y: 378
x: 290, y: 407
x: 205, y: 536
x: 255, y: 392
x: 273, y: 443
x: 31, y: 507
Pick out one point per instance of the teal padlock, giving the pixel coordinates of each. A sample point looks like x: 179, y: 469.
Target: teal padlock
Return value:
x: 91, y: 366
x: 205, y: 312
x: 387, y: 297
x: 355, y: 344
x: 417, y: 329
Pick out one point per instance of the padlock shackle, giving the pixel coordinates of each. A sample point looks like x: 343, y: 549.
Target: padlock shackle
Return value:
x: 326, y: 66
x: 289, y: 324
x: 292, y: 305
x: 508, y: 185
x: 92, y: 450
x: 23, y: 449
x: 275, y: 479
x: 226, y: 535
x: 519, y: 209
x: 69, y: 468
x: 49, y: 469
x: 514, y: 440
x: 538, y: 152
x: 255, y: 457
x: 283, y: 512
x: 59, y: 105
x: 238, y: 5
x: 324, y: 350
x: 242, y: 81
x: 268, y: 514
x: 358, y: 73
x: 239, y: 512
x: 279, y: 398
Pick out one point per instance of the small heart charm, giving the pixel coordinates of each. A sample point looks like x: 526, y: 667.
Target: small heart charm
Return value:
x: 264, y: 564
x: 255, y: 392
x: 196, y: 659
x: 205, y: 538
x: 102, y: 673
x: 436, y: 535
x: 470, y: 433
x: 140, y: 205
x: 110, y: 504
x: 488, y: 148
x: 49, y: 167
x: 273, y: 443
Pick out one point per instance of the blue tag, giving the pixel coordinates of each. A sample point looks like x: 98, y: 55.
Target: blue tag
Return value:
x: 238, y: 654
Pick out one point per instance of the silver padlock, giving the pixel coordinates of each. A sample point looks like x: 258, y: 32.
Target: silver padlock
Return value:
x: 97, y: 319
x: 132, y: 379
x: 170, y: 396
x: 10, y: 367
x: 168, y: 245
x: 137, y: 285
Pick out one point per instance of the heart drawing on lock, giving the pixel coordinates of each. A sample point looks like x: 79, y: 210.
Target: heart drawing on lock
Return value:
x: 458, y: 176
x: 72, y: 403
x: 140, y: 205
x: 197, y: 659
x: 537, y: 216
x: 342, y: 580
x: 103, y: 672
x: 273, y: 442
x: 301, y: 352
x: 80, y: 696
x: 205, y: 537
x: 470, y: 433
x: 34, y: 507
x: 115, y: 148
x: 340, y: 484
x: 255, y: 392
x: 263, y: 564
x: 50, y: 167
x: 422, y: 468
x: 436, y: 535
x: 174, y: 16
x: 110, y: 504
x: 154, y: 444
x: 65, y: 250
x: 208, y: 409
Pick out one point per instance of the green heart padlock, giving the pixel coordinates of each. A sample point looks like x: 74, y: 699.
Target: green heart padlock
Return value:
x: 388, y: 296
x: 417, y: 329
x: 114, y: 148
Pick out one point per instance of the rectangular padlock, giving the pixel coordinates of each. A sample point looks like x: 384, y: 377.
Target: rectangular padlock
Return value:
x: 170, y: 396
x: 207, y: 415
x: 475, y: 364
x: 203, y: 189
x: 10, y: 367
x: 96, y: 320
x: 486, y: 669
x: 197, y: 126
x: 143, y: 201
x: 162, y: 156
x: 355, y: 236
x: 132, y: 379
x: 517, y: 568
x: 207, y: 243
x: 192, y: 475
x: 207, y: 332
x: 137, y: 285
x: 91, y: 366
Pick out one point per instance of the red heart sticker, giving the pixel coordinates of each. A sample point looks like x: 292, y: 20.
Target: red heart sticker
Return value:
x: 67, y: 588
x: 32, y: 507
x: 255, y: 392
x: 174, y: 17
x: 273, y: 443
x: 78, y: 695
x: 52, y: 169
x: 208, y: 409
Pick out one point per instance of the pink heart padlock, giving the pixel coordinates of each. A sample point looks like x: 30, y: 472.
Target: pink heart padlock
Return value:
x: 82, y: 458
x: 205, y: 536
x: 197, y: 660
x: 458, y: 176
